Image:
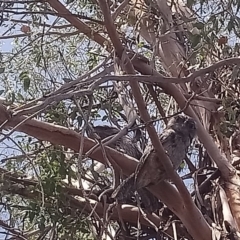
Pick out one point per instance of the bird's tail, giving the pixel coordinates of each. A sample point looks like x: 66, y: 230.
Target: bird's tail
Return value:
x: 125, y: 191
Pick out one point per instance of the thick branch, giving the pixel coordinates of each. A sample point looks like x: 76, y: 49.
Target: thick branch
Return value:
x: 178, y: 80
x: 84, y: 28
x: 227, y: 170
x: 194, y: 212
x: 225, y: 167
x: 62, y: 136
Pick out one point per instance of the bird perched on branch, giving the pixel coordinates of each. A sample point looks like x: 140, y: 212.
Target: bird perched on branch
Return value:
x: 126, y: 145
x: 175, y: 139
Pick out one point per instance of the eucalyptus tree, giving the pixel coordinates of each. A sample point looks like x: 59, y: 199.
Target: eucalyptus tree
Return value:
x: 70, y: 66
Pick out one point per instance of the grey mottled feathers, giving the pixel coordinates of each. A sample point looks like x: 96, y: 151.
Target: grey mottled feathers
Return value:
x: 126, y: 145
x: 176, y: 139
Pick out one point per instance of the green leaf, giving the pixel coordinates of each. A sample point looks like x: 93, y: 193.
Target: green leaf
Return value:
x: 181, y: 167
x: 31, y: 215
x: 104, y: 118
x: 212, y: 19
x: 190, y: 3
x: 26, y: 84
x: 38, y: 59
x: 20, y: 96
x: 80, y: 120
x: 11, y: 96
x: 24, y: 77
x: 235, y: 73
x: 73, y: 115
x: 238, y: 6
x: 2, y: 70
x: 83, y: 230
x: 58, y: 188
x: 195, y: 40
x: 199, y: 25
x: 230, y: 25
